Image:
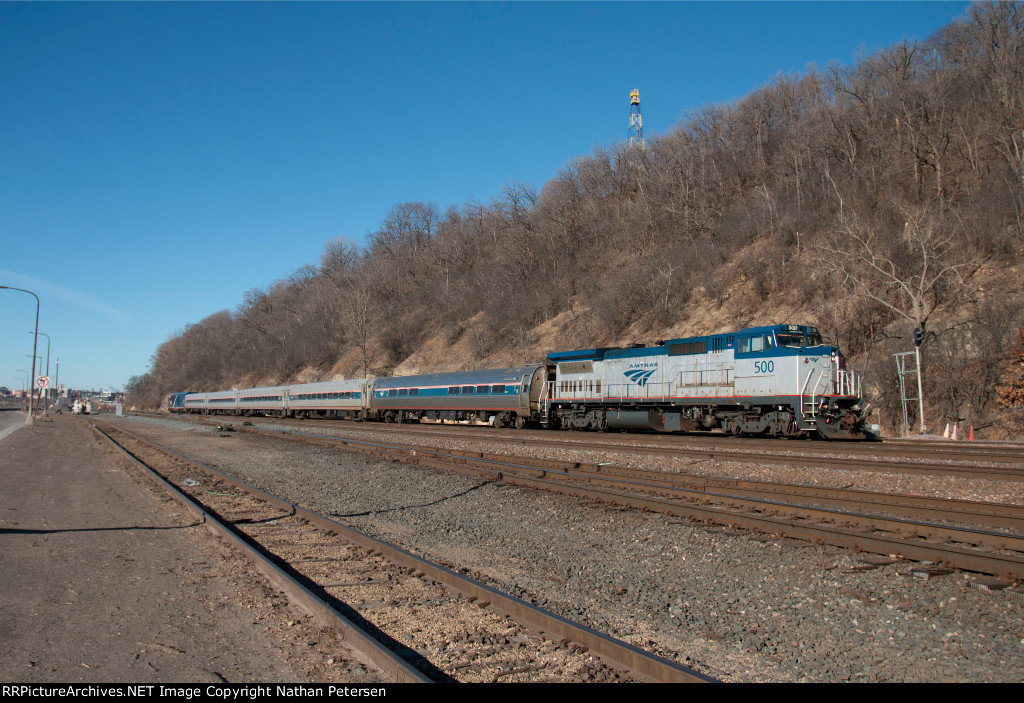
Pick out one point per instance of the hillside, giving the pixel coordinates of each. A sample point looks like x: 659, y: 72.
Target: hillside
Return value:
x: 868, y: 200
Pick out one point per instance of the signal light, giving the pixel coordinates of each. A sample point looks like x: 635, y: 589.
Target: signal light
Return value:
x: 918, y: 336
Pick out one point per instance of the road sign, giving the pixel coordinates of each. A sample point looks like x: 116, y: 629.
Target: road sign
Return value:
x: 42, y: 381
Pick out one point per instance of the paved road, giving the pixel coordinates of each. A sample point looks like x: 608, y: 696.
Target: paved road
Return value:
x: 10, y: 420
x: 102, y: 580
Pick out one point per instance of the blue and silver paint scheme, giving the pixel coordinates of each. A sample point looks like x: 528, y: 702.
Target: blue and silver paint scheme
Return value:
x: 176, y: 402
x: 779, y: 379
x: 494, y: 396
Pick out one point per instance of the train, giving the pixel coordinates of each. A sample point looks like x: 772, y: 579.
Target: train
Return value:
x: 776, y: 380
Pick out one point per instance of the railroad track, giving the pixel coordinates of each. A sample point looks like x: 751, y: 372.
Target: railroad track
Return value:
x: 392, y: 605
x: 745, y: 456
x: 944, y: 460
x: 1012, y: 454
x: 979, y: 537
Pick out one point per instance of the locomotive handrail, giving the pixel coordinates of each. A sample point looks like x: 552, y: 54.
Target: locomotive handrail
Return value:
x: 849, y: 383
x: 824, y: 383
x: 808, y: 406
x: 544, y: 401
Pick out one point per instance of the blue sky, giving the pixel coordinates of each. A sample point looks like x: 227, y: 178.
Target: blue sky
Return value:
x: 157, y: 160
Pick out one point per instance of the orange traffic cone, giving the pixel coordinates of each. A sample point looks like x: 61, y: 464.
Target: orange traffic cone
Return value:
x: 970, y: 437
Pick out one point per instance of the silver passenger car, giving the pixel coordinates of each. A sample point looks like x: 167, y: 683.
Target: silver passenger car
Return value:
x: 497, y: 397
x: 342, y: 399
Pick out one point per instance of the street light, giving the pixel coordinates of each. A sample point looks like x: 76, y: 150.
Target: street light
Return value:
x: 25, y: 387
x: 46, y: 390
x: 35, y: 340
x: 39, y: 358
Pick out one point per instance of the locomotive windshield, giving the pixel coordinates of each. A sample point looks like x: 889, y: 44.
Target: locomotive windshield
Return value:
x: 791, y: 339
x: 795, y: 338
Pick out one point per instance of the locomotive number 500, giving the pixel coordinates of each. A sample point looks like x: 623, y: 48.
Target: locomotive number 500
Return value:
x: 764, y: 366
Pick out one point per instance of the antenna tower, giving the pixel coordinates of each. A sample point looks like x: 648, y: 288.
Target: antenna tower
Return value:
x: 636, y: 122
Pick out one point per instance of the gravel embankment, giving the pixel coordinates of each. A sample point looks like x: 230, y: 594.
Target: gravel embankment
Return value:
x: 725, y: 604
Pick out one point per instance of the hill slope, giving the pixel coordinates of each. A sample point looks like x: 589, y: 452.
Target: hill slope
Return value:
x: 868, y: 201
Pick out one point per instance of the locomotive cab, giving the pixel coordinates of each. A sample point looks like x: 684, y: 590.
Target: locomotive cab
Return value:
x: 828, y: 392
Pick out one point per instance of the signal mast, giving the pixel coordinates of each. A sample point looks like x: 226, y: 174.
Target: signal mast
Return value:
x: 636, y: 122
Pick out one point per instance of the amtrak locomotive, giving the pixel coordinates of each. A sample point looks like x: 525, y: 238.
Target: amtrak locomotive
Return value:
x: 777, y: 380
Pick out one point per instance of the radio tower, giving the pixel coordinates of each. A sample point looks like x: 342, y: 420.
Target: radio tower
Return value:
x: 636, y: 122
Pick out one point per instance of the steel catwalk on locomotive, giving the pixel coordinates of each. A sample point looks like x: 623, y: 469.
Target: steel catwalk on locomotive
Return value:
x: 775, y: 380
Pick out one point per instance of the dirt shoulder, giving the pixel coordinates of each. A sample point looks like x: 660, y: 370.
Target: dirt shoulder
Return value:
x: 102, y: 578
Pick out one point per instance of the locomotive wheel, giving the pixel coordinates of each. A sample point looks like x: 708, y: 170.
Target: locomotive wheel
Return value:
x: 519, y: 422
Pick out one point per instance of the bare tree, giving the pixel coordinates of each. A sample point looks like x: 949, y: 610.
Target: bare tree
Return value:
x: 891, y: 179
x: 909, y: 273
x: 360, y: 318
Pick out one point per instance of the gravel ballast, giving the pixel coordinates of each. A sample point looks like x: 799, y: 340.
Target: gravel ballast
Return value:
x: 738, y: 607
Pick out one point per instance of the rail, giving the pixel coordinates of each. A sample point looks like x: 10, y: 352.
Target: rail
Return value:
x: 643, y: 664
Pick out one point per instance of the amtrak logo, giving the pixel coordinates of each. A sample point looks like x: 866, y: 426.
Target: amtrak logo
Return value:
x: 639, y: 376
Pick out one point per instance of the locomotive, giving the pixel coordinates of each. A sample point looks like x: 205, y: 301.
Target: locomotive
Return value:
x: 778, y: 380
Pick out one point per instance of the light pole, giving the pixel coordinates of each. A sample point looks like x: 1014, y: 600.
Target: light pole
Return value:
x: 46, y: 391
x: 33, y: 386
x: 35, y: 340
x: 25, y: 387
